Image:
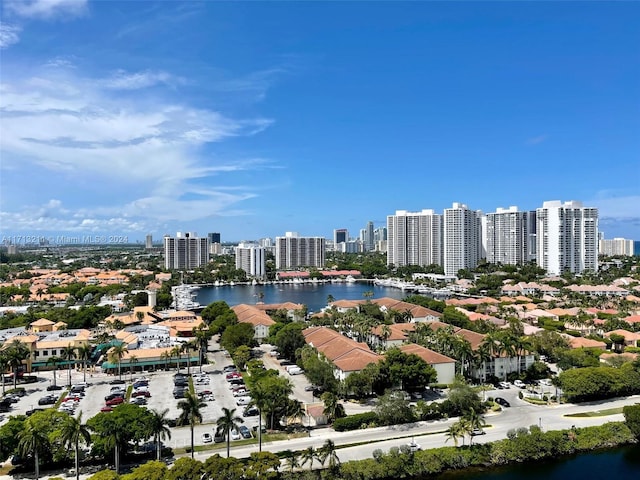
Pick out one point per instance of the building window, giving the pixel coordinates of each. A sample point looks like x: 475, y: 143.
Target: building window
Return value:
x: 54, y: 352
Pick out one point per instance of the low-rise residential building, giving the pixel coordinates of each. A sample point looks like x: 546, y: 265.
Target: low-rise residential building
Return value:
x: 255, y: 316
x: 444, y: 366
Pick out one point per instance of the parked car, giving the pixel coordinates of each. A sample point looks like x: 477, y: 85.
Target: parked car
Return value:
x: 218, y: 437
x: 236, y: 381
x: 504, y: 385
x: 51, y: 388
x: 502, y: 401
x: 310, y: 388
x: 254, y: 429
x: 141, y: 393
x: 244, y: 431
x: 48, y: 400
x: 235, y: 435
x: 250, y: 412
x: 139, y: 401
x: 113, y: 395
x: 106, y: 409
x: 207, y: 438
x: 243, y: 400
x: 115, y: 401
x: 413, y: 446
x: 117, y: 381
x: 519, y: 383
x: 229, y: 369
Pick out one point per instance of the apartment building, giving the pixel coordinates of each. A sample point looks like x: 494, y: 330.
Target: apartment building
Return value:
x: 616, y: 246
x: 185, y: 251
x: 462, y: 238
x: 507, y: 236
x: 567, y: 237
x: 414, y: 238
x: 251, y: 259
x: 294, y: 251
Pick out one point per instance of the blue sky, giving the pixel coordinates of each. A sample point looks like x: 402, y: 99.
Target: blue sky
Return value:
x: 256, y: 118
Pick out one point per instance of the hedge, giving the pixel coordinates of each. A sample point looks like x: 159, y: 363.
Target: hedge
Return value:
x: 354, y: 422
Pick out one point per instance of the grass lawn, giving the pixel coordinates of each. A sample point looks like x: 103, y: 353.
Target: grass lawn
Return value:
x: 597, y: 413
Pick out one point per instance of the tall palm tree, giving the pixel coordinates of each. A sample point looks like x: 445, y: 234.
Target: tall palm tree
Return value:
x: 32, y: 441
x: 454, y: 432
x: 476, y: 422
x: 177, y: 352
x: 259, y: 399
x: 4, y: 365
x: 308, y: 455
x: 83, y: 353
x: 54, y: 361
x: 202, y: 335
x: 187, y: 347
x: 133, y: 360
x: 291, y: 458
x: 68, y: 354
x: 17, y: 352
x: 116, y: 437
x: 166, y: 356
x: 328, y: 452
x: 227, y: 422
x: 71, y: 434
x: 190, y: 414
x: 116, y: 354
x: 159, y: 429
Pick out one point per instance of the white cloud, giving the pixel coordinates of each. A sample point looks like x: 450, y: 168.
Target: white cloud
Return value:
x: 122, y: 80
x: 8, y: 35
x: 149, y: 151
x: 46, y: 9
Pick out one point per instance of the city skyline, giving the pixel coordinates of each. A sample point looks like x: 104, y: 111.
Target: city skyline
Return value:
x: 257, y: 119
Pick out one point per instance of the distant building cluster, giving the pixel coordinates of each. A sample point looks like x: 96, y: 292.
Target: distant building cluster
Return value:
x: 560, y: 237
x: 616, y: 246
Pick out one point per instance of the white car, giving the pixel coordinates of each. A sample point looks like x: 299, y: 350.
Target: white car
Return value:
x: 207, y: 438
x: 243, y: 401
x: 519, y: 383
x: 413, y: 446
x: 235, y: 434
x: 142, y: 389
x: 505, y: 384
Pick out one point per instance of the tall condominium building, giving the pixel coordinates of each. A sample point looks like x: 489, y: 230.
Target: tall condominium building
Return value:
x: 462, y: 238
x: 340, y: 235
x: 213, y: 238
x: 507, y: 236
x: 567, y: 237
x: 414, y: 238
x: 251, y: 259
x: 148, y: 242
x: 185, y: 251
x: 616, y: 246
x: 367, y: 238
x: 293, y: 251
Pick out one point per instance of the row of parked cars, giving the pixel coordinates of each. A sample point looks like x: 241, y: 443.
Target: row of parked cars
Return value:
x: 118, y: 393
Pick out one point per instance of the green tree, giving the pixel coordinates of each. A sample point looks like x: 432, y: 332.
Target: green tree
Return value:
x: 116, y: 354
x: 411, y: 372
x: 159, y: 429
x: 83, y: 353
x: 73, y: 433
x: 153, y: 470
x: 393, y: 409
x: 9, y: 433
x: 632, y: 418
x: 227, y: 422
x: 332, y: 407
x: 17, y: 352
x: 32, y: 441
x: 289, y: 339
x: 328, y: 453
x: 4, y: 365
x: 185, y: 468
x: 216, y: 467
x: 308, y: 455
x: 237, y: 335
x: 262, y: 465
x: 190, y: 414
x: 454, y: 432
x: 68, y: 354
x: 105, y: 475
x: 241, y: 356
x: 475, y: 421
x: 291, y: 460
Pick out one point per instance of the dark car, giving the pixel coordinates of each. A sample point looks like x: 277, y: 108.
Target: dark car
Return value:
x: 255, y: 429
x: 236, y: 381
x: 250, y: 412
x: 140, y: 384
x: 180, y: 383
x: 179, y: 394
x: 51, y: 388
x: 117, y: 381
x: 141, y: 393
x: 113, y: 395
x: 28, y: 413
x: 502, y: 401
x: 48, y: 400
x: 244, y: 431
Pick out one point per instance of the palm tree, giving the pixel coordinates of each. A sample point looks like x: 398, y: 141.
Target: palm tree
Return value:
x: 227, y: 422
x: 291, y: 458
x: 187, y: 347
x: 32, y: 441
x: 166, y: 356
x: 476, y: 422
x: 259, y: 398
x: 159, y: 429
x: 71, y: 434
x: 454, y: 432
x: 17, y: 352
x: 190, y: 414
x: 54, y: 361
x: 203, y: 335
x: 116, y: 437
x: 83, y: 353
x: 4, y: 365
x: 308, y: 455
x: 177, y: 352
x: 332, y: 407
x: 68, y: 354
x: 328, y: 452
x: 133, y: 360
x: 116, y: 354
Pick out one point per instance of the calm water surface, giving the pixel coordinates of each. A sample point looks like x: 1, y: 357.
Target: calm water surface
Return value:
x: 618, y: 464
x: 314, y: 296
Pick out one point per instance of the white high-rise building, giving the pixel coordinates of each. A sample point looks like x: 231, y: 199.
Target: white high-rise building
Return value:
x: 185, y: 251
x: 462, y: 238
x: 507, y: 236
x: 293, y: 251
x: 567, y: 237
x: 148, y: 242
x: 251, y: 259
x: 414, y: 238
x: 616, y: 246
